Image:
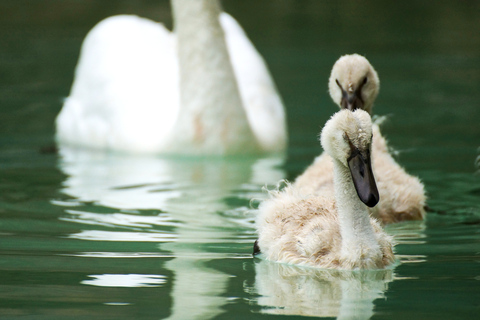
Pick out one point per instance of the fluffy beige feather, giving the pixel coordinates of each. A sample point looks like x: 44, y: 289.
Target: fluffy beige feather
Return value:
x: 402, y: 196
x: 330, y: 229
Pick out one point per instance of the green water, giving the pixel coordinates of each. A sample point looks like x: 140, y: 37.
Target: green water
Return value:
x: 95, y: 236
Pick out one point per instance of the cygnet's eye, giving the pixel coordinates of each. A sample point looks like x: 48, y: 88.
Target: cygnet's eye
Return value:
x: 365, y: 80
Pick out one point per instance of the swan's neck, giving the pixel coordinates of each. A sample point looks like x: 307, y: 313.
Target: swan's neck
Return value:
x: 359, y: 243
x: 211, y: 113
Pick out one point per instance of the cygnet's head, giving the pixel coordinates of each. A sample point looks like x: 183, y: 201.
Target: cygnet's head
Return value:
x: 353, y: 83
x: 347, y: 137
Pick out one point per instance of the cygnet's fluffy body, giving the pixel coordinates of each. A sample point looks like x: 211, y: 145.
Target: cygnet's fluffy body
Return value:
x: 354, y: 84
x: 402, y: 196
x: 332, y: 229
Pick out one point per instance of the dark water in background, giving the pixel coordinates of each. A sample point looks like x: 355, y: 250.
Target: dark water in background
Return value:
x: 97, y: 236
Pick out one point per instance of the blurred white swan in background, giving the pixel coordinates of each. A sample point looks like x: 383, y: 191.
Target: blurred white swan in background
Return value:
x: 354, y: 84
x: 332, y: 229
x: 291, y: 290
x: 203, y: 89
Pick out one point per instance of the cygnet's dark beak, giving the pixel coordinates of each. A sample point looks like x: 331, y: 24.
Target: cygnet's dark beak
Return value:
x: 351, y: 101
x: 363, y: 179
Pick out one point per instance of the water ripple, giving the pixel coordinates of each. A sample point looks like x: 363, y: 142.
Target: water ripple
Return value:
x: 119, y: 219
x: 126, y: 280
x: 100, y: 235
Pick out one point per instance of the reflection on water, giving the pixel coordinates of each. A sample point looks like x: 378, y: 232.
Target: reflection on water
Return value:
x: 136, y: 182
x: 410, y: 232
x: 198, y: 289
x: 191, y: 216
x: 125, y: 280
x: 98, y: 235
x: 291, y: 290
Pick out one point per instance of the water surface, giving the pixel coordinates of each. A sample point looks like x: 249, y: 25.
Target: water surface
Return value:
x: 88, y: 235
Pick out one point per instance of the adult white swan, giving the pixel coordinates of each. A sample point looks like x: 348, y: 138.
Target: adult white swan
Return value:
x: 203, y: 89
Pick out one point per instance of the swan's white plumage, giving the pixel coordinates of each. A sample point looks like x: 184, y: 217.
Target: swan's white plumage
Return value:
x: 263, y: 105
x: 402, y: 196
x: 331, y: 229
x: 115, y: 102
x: 126, y: 92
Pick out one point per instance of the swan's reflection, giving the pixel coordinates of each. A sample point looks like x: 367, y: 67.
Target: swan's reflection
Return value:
x: 190, y: 203
x: 136, y: 182
x: 291, y: 290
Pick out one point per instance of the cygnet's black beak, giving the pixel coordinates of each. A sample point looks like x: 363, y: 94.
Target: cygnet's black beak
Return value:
x: 351, y: 101
x: 363, y: 179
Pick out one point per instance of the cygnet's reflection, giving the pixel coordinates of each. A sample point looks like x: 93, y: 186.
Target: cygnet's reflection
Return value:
x: 291, y: 290
x: 192, y: 198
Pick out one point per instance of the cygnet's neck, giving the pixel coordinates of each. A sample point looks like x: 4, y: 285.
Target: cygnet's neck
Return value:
x: 211, y: 113
x: 359, y: 244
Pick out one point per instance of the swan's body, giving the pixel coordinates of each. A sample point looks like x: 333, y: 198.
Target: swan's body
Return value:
x: 402, y: 196
x: 331, y: 230
x: 204, y: 89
